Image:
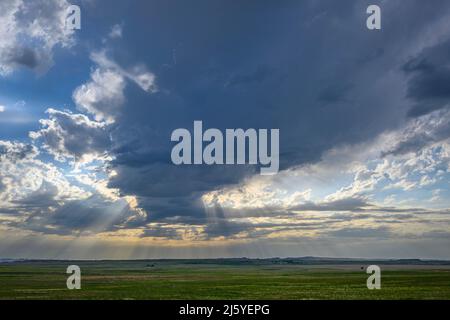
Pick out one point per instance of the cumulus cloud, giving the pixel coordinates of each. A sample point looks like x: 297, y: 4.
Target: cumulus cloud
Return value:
x: 2, y: 108
x: 29, y: 182
x: 103, y: 96
x: 30, y: 31
x: 66, y: 135
x: 14, y: 151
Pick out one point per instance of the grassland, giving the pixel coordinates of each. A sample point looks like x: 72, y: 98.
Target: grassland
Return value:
x: 188, y: 280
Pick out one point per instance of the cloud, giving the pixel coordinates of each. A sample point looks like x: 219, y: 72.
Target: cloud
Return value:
x: 137, y: 74
x: 429, y: 79
x: 2, y: 108
x: 345, y: 204
x: 315, y: 221
x: 421, y: 132
x: 29, y: 183
x: 103, y: 96
x: 354, y: 166
x: 14, y: 151
x: 30, y: 32
x: 346, y: 187
x: 163, y: 231
x: 66, y: 135
x: 165, y: 179
x: 39, y: 197
x: 23, y: 56
x: 302, y: 92
x: 335, y: 93
x: 219, y: 226
x: 91, y: 215
x: 116, y: 31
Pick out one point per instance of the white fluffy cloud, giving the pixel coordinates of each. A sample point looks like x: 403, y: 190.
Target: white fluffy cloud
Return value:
x: 2, y: 108
x: 103, y: 96
x: 27, y: 182
x: 30, y: 29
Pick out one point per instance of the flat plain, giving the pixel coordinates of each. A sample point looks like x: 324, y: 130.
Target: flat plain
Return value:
x: 223, y: 279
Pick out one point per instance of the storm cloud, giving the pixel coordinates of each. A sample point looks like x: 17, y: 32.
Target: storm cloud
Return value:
x: 363, y: 117
x: 229, y: 79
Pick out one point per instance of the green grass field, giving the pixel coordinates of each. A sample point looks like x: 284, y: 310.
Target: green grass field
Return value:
x: 167, y: 280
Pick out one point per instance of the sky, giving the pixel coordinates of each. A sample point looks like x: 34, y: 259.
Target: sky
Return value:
x: 86, y: 118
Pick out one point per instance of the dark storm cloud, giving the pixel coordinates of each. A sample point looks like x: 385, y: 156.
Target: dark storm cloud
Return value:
x: 311, y: 69
x: 335, y: 93
x: 168, y: 180
x: 429, y: 83
x: 160, y: 208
